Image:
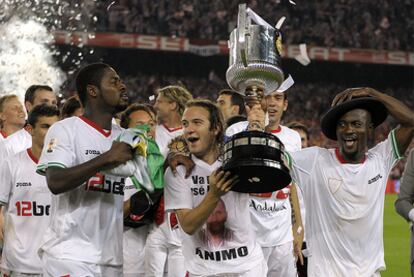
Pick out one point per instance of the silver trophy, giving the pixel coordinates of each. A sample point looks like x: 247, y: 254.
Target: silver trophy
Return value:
x: 254, y: 55
x: 254, y: 71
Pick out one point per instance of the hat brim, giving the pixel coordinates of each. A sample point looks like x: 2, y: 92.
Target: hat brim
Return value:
x: 374, y: 107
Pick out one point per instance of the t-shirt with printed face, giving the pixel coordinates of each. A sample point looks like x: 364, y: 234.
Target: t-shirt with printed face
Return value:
x: 86, y: 222
x: 226, y: 242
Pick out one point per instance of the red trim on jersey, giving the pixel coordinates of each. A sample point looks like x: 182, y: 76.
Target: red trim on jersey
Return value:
x: 34, y: 159
x: 173, y: 129
x: 96, y: 126
x: 4, y: 135
x: 341, y: 158
x: 277, y: 130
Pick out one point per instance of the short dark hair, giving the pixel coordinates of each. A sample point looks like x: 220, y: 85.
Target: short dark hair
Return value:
x: 216, y: 117
x: 236, y: 99
x: 42, y: 110
x: 298, y: 126
x: 70, y: 106
x: 125, y: 120
x: 89, y: 75
x: 29, y: 96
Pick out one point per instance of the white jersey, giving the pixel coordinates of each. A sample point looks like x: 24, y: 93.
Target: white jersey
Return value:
x: 163, y: 136
x: 134, y: 240
x: 236, y: 128
x: 27, y: 202
x: 86, y: 222
x: 15, y: 143
x: 271, y: 213
x: 345, y: 206
x: 225, y: 245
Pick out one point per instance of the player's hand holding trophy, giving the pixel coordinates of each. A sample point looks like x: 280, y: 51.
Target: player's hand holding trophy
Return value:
x: 254, y: 71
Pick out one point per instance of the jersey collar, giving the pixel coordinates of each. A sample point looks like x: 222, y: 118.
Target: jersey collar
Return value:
x: 342, y: 160
x: 32, y: 157
x: 172, y: 129
x: 95, y: 126
x: 276, y: 130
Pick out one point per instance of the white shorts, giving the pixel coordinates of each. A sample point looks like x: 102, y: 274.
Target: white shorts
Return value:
x: 162, y: 254
x: 134, y: 250
x: 280, y: 260
x: 53, y: 267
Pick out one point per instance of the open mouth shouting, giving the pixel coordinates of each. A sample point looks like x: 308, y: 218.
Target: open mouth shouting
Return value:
x: 192, y: 140
x: 350, y: 141
x: 124, y: 96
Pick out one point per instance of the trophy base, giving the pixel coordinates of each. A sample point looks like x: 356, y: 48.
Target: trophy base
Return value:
x: 259, y: 175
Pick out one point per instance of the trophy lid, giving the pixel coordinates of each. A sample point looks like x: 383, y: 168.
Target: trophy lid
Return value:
x: 254, y: 56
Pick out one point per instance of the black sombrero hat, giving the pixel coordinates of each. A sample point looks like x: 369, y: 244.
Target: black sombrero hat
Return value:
x: 374, y: 107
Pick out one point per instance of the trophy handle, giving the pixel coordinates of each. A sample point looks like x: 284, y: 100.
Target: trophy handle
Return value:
x: 254, y: 96
x: 243, y: 31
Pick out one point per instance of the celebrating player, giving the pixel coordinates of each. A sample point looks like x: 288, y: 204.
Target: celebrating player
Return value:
x: 27, y: 199
x: 344, y: 188
x: 195, y: 199
x: 12, y: 116
x: 85, y: 234
x: 164, y: 242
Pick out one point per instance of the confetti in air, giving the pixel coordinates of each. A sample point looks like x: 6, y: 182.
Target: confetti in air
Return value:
x: 25, y: 57
x: 287, y: 83
x: 27, y: 51
x: 303, y: 57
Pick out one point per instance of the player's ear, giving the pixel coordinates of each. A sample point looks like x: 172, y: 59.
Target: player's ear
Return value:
x: 285, y: 104
x: 92, y: 90
x: 29, y: 128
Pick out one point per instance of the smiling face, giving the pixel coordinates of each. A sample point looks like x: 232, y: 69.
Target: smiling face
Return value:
x: 13, y: 113
x: 353, y: 130
x: 113, y: 90
x: 276, y: 105
x: 199, y: 135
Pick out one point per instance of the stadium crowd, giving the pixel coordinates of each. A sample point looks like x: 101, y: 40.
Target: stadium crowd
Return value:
x: 355, y: 24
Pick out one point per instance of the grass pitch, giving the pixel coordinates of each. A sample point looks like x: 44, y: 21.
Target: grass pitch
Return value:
x: 396, y: 241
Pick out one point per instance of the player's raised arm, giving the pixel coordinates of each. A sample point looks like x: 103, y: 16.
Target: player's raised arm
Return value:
x: 401, y: 113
